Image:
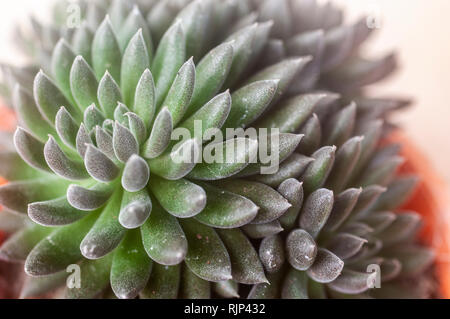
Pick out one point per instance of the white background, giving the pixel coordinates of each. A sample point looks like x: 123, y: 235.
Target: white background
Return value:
x: 418, y: 29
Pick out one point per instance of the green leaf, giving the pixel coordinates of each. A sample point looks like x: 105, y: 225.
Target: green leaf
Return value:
x: 194, y: 20
x: 135, y: 22
x: 109, y: 95
x: 160, y: 136
x: 207, y: 256
x: 285, y: 71
x: 192, y: 286
x: 263, y: 230
x: 283, y: 144
x: 135, y: 209
x: 340, y: 127
x: 16, y: 196
x: 164, y: 283
x: 177, y: 163
x: 291, y: 114
x: 61, y: 164
x: 316, y: 210
x: 93, y: 117
x: 59, y: 250
x: 191, y: 198
x: 82, y: 41
x: 99, y: 166
x: 295, y: 285
x: 246, y: 266
x: 268, y: 290
x: 230, y: 158
x: 107, y: 233
x: 211, y: 73
x: 124, y: 143
x: 249, y: 103
x: 242, y: 53
x: 61, y: 63
x: 134, y: 63
x: 30, y: 149
x: 49, y: 99
x: 326, y: 268
x: 272, y: 205
x: 144, y: 98
x: 137, y: 127
x: 163, y: 238
x: 67, y: 128
x: 131, y: 267
x: 89, y: 199
x: 17, y: 247
x: 226, y: 210
x: 83, y: 83
x: 29, y: 114
x: 13, y: 168
x: 226, y: 289
x: 347, y: 157
x: 170, y: 56
x: 106, y: 55
x: 318, y: 171
x: 136, y: 174
x: 55, y: 212
x: 212, y: 115
x: 292, y: 190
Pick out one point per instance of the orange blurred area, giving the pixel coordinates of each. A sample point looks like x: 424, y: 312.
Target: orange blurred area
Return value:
x: 432, y: 201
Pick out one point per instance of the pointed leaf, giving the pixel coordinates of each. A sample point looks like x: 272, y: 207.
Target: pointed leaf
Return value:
x: 225, y: 209
x: 134, y: 62
x: 56, y: 212
x: 263, y: 230
x: 109, y: 95
x: 246, y: 266
x: 106, y: 54
x: 85, y: 199
x: 124, y: 142
x: 272, y: 205
x: 316, y: 210
x: 83, y: 83
x: 144, y: 98
x: 301, y: 249
x: 160, y: 136
x: 318, y: 171
x: 30, y: 150
x: 99, y: 166
x: 207, y: 256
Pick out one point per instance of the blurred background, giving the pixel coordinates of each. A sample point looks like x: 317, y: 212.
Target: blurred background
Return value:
x: 415, y: 29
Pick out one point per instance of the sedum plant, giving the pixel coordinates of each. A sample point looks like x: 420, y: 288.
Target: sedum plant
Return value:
x: 94, y: 183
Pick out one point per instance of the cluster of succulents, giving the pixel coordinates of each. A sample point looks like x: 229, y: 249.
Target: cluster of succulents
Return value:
x: 93, y: 181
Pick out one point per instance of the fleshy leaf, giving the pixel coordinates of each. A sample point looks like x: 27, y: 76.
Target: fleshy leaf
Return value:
x: 134, y: 63
x: 106, y: 234
x: 160, y: 136
x: 61, y: 164
x: 318, y: 171
x: 225, y: 209
x: 89, y: 199
x: 163, y: 238
x: 100, y: 166
x: 271, y: 253
x: 136, y: 174
x: 30, y: 150
x: 169, y: 57
x: 272, y: 205
x: 316, y: 210
x: 263, y: 230
x: 245, y: 264
x: 131, y: 267
x: 106, y: 54
x: 211, y: 74
x: 192, y: 286
x: 59, y: 250
x: 301, y: 249
x: 83, y: 83
x: 292, y: 190
x: 124, y: 142
x: 233, y: 157
x: 326, y: 268
x: 135, y: 209
x: 191, y: 198
x: 207, y: 256
x: 164, y: 283
x: 295, y: 285
x: 109, y: 95
x: 144, y: 98
x: 56, y: 212
x: 67, y: 128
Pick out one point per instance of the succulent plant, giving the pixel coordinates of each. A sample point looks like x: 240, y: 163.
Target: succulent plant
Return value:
x: 94, y: 182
